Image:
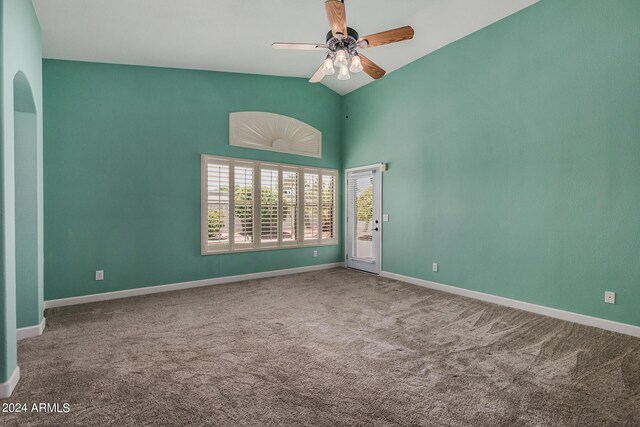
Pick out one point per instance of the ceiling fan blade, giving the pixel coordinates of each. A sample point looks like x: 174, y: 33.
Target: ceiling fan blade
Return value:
x: 386, y: 37
x: 371, y: 67
x: 298, y: 46
x: 317, y: 76
x: 337, y: 17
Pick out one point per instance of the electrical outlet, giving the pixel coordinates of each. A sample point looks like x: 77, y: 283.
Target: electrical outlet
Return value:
x: 385, y: 217
x: 434, y: 267
x: 99, y: 274
x: 610, y: 297
x: 315, y: 254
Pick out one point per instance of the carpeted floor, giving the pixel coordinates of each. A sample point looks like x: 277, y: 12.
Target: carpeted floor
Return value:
x: 326, y: 348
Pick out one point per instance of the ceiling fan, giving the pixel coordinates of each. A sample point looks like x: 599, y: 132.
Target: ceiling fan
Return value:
x: 343, y: 43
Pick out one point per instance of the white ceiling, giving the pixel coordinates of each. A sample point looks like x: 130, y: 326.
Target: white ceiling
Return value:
x: 236, y: 36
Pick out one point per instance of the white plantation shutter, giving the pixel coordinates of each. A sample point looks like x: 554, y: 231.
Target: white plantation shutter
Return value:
x: 290, y: 211
x: 269, y: 206
x: 244, y: 204
x: 216, y: 220
x: 329, y: 201
x: 311, y: 207
x: 250, y: 205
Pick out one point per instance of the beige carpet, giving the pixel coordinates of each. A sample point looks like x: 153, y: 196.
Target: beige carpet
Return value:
x: 327, y: 348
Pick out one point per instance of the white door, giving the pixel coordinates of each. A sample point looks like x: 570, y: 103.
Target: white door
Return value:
x: 364, y: 225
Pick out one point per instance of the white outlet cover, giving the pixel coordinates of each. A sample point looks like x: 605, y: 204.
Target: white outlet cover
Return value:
x: 610, y: 297
x: 434, y: 266
x: 385, y: 217
x: 99, y: 274
x: 315, y: 254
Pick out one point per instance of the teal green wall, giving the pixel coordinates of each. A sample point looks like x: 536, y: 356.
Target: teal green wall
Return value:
x: 8, y: 359
x: 21, y: 56
x: 122, y: 170
x: 514, y: 158
x: 28, y: 311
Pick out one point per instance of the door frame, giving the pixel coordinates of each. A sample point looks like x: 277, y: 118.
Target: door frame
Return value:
x: 381, y: 167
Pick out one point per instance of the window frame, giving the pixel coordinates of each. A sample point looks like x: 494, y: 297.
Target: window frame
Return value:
x: 256, y: 244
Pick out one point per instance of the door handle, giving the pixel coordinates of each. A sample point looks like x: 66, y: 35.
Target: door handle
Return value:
x: 376, y: 229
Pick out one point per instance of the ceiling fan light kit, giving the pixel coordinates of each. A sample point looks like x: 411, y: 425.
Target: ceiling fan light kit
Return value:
x: 342, y: 43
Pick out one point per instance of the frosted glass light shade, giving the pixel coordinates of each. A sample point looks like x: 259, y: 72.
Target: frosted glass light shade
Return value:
x: 327, y: 68
x: 341, y: 59
x: 356, y: 64
x: 344, y: 73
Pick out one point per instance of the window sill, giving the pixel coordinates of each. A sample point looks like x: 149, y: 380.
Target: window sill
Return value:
x: 273, y: 248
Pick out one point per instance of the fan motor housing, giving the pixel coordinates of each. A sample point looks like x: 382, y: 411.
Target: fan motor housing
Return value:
x: 349, y: 42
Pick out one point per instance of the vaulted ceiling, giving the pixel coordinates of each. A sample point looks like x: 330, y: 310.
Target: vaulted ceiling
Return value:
x: 236, y: 36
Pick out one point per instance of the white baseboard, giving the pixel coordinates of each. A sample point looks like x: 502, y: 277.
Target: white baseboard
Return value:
x: 184, y: 285
x: 582, y: 319
x: 6, y: 388
x: 31, y: 331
